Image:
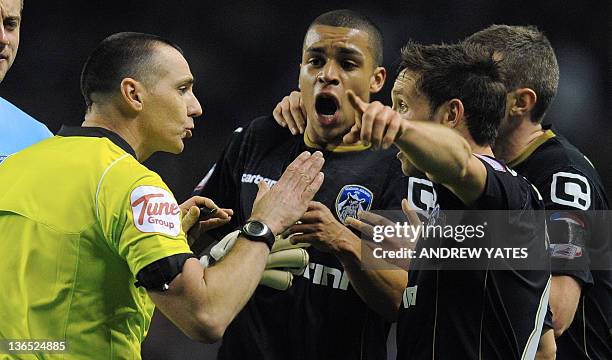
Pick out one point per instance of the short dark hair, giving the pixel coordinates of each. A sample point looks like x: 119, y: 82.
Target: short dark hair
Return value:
x: 121, y: 55
x: 527, y: 60
x: 354, y: 20
x: 461, y: 71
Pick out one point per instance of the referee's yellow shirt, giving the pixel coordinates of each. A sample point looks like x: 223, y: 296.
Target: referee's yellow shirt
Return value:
x: 79, y: 218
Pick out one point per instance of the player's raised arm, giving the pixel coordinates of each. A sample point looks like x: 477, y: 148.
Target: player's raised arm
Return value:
x: 201, y: 302
x: 435, y: 149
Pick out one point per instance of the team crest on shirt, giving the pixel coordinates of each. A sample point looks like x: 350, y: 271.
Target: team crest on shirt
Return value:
x: 155, y: 210
x: 352, y: 199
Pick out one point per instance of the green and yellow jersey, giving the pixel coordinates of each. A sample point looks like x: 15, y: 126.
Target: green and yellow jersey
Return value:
x: 71, y: 248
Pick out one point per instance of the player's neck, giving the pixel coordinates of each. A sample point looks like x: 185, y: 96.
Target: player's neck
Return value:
x: 102, y: 119
x: 314, y: 140
x: 476, y: 148
x: 482, y: 150
x: 512, y: 142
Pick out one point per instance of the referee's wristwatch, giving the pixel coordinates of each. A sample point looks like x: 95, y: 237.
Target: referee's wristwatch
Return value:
x: 257, y: 231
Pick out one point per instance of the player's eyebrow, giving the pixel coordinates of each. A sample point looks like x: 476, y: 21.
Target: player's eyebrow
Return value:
x: 345, y: 51
x: 315, y: 50
x: 350, y: 52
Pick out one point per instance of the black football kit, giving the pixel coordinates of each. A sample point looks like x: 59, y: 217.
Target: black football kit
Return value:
x: 477, y: 308
x: 579, y: 229
x: 320, y: 316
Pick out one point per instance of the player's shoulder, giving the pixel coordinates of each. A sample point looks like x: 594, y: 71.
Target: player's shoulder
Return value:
x: 504, y: 186
x: 19, y: 130
x: 559, y: 161
x: 260, y: 136
x: 557, y: 154
x: 266, y: 127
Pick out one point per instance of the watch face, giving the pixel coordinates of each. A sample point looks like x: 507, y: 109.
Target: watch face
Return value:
x: 255, y: 228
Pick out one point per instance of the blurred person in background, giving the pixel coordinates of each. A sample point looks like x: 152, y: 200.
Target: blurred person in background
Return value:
x: 574, y: 196
x: 17, y: 129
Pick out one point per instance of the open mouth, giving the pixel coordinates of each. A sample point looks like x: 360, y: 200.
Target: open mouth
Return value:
x: 326, y: 104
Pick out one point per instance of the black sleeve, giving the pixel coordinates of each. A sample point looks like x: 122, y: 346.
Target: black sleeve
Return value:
x: 568, y: 196
x: 222, y: 185
x: 505, y: 189
x: 159, y: 274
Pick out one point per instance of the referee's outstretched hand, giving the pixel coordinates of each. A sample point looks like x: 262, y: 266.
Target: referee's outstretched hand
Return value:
x: 282, y: 205
x: 375, y: 123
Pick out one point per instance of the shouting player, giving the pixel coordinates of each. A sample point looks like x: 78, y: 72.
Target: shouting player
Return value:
x: 328, y: 313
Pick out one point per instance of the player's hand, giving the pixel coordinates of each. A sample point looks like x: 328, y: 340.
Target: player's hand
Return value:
x: 290, y: 112
x: 282, y: 205
x: 375, y: 123
x: 368, y: 220
x: 191, y: 222
x: 320, y: 228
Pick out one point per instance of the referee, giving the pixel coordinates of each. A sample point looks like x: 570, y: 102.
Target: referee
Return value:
x: 88, y: 256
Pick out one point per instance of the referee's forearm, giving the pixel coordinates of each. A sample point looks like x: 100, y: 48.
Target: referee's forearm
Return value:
x: 230, y: 283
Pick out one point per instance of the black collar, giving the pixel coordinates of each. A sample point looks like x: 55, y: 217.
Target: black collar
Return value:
x: 97, y: 132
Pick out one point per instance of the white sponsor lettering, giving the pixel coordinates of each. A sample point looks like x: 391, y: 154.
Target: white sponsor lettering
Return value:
x: 155, y: 211
x: 322, y: 273
x: 409, y: 296
x: 256, y: 179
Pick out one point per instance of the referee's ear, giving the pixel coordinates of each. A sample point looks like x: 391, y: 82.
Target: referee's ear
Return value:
x: 131, y: 94
x: 521, y: 102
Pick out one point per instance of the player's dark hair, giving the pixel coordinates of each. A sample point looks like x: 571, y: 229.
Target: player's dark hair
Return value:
x: 122, y: 55
x: 527, y: 60
x: 354, y: 20
x: 461, y: 71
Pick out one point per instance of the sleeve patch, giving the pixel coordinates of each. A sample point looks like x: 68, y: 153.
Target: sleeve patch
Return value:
x: 422, y: 195
x: 571, y: 190
x: 565, y: 251
x: 496, y: 165
x: 155, y: 210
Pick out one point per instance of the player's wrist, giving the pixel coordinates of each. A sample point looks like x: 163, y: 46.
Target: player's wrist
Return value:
x: 349, y: 248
